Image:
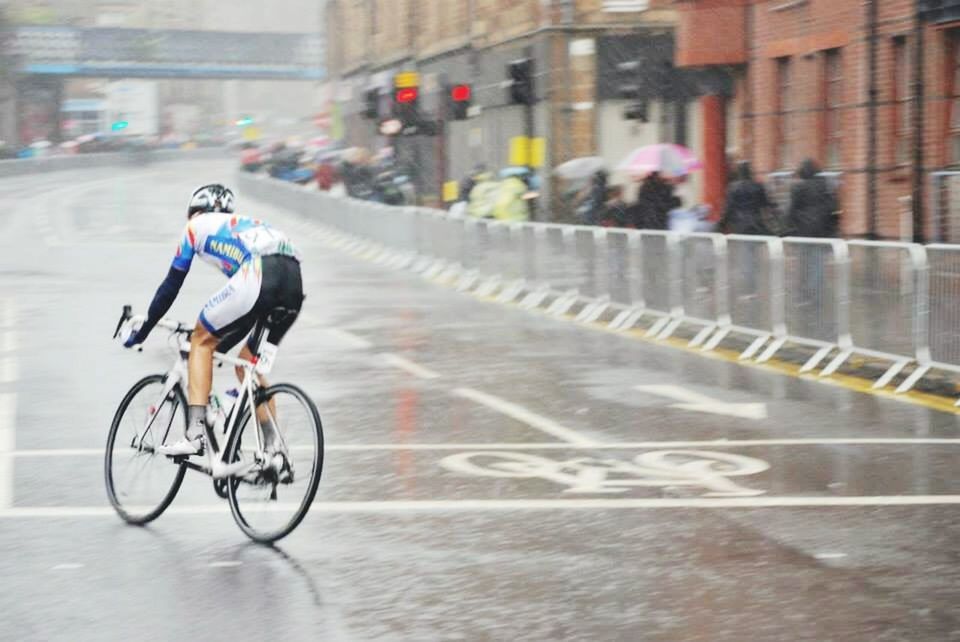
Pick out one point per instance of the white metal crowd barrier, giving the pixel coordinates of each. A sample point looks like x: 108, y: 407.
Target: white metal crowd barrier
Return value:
x: 892, y: 302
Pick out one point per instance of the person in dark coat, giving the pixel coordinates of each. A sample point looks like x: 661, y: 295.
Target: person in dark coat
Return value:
x: 747, y: 200
x: 813, y: 207
x: 615, y: 209
x: 812, y: 213
x: 654, y: 202
x: 357, y: 179
x: 591, y: 208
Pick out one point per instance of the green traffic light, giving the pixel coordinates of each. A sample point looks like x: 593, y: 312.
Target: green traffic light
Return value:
x: 120, y: 124
x: 244, y: 122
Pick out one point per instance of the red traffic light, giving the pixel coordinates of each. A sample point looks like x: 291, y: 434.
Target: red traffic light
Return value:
x: 460, y: 93
x: 406, y: 95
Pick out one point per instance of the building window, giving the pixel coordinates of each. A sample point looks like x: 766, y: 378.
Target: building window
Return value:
x: 954, y: 96
x: 901, y: 101
x: 783, y: 134
x: 832, y: 98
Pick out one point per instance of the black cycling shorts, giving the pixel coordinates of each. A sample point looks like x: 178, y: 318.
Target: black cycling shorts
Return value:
x: 276, y: 308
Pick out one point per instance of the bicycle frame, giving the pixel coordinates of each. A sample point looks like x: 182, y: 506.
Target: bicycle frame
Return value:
x: 178, y: 375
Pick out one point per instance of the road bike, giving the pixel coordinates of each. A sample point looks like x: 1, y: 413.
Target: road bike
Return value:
x: 268, y: 493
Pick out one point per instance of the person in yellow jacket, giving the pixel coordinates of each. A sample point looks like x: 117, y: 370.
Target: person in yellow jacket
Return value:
x: 483, y: 196
x: 511, y: 205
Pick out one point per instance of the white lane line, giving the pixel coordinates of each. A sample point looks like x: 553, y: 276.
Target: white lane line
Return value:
x: 8, y: 415
x: 66, y: 567
x: 349, y: 338
x: 224, y: 564
x: 636, y: 445
x: 9, y: 315
x: 409, y: 366
x: 830, y: 556
x: 528, y: 417
x: 52, y: 236
x: 9, y: 340
x: 474, y: 505
x: 9, y: 371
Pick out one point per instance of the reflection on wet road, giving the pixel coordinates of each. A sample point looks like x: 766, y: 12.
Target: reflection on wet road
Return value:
x: 490, y: 474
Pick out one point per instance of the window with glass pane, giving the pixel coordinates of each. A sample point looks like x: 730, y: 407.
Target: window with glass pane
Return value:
x: 833, y: 96
x: 784, y: 132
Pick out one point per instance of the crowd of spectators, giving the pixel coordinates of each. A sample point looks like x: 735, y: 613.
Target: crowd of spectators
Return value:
x: 811, y: 210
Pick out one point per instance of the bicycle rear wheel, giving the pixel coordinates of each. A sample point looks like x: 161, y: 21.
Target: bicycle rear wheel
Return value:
x: 141, y: 483
x: 265, y: 508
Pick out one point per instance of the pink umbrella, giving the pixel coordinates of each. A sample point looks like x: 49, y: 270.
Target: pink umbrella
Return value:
x: 666, y: 158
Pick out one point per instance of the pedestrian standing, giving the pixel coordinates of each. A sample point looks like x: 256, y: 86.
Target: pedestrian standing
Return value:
x: 615, y: 209
x: 591, y: 208
x: 813, y: 207
x: 748, y: 207
x: 654, y: 202
x: 812, y: 213
x: 746, y: 211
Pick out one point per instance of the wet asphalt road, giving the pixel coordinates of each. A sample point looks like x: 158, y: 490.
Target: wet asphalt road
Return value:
x: 491, y: 474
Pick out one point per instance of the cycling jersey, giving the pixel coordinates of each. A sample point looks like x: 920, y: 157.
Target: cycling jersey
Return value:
x: 228, y: 241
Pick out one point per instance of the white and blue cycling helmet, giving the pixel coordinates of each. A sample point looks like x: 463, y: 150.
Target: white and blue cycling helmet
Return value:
x: 211, y: 198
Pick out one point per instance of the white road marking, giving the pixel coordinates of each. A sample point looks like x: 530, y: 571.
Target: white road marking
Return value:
x: 54, y: 236
x: 9, y: 340
x: 8, y: 415
x: 9, y: 371
x: 690, y: 400
x: 224, y: 564
x: 528, y: 417
x: 66, y: 567
x: 9, y: 315
x: 349, y: 338
x: 636, y: 445
x: 410, y: 367
x: 475, y: 505
x: 830, y: 556
x: 708, y: 471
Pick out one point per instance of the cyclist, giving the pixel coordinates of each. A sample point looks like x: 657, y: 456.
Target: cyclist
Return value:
x: 263, y: 269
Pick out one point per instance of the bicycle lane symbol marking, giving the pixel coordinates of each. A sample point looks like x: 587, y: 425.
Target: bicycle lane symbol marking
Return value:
x: 708, y: 471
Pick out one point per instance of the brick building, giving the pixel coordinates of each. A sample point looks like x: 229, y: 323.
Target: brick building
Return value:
x: 575, y: 45
x: 840, y: 81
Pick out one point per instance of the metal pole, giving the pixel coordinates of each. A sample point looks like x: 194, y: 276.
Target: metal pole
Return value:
x: 873, y: 90
x: 441, y: 135
x: 918, y: 124
x: 529, y: 121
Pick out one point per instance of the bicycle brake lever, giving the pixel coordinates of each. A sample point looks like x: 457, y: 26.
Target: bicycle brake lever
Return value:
x: 125, y: 316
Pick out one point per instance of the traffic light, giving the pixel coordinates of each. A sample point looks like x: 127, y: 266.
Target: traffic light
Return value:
x: 406, y: 101
x: 246, y: 121
x: 407, y: 96
x: 628, y: 87
x: 458, y: 101
x: 522, y: 90
x: 119, y: 125
x: 371, y: 105
x: 406, y: 106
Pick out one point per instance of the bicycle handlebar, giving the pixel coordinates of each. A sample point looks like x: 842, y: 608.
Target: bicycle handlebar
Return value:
x: 176, y: 327
x: 127, y: 316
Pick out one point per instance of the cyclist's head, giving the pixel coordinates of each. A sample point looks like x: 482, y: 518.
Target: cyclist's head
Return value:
x: 210, y: 198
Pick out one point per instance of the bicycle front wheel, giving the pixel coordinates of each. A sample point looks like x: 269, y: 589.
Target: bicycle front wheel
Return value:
x: 269, y: 506
x: 141, y: 483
